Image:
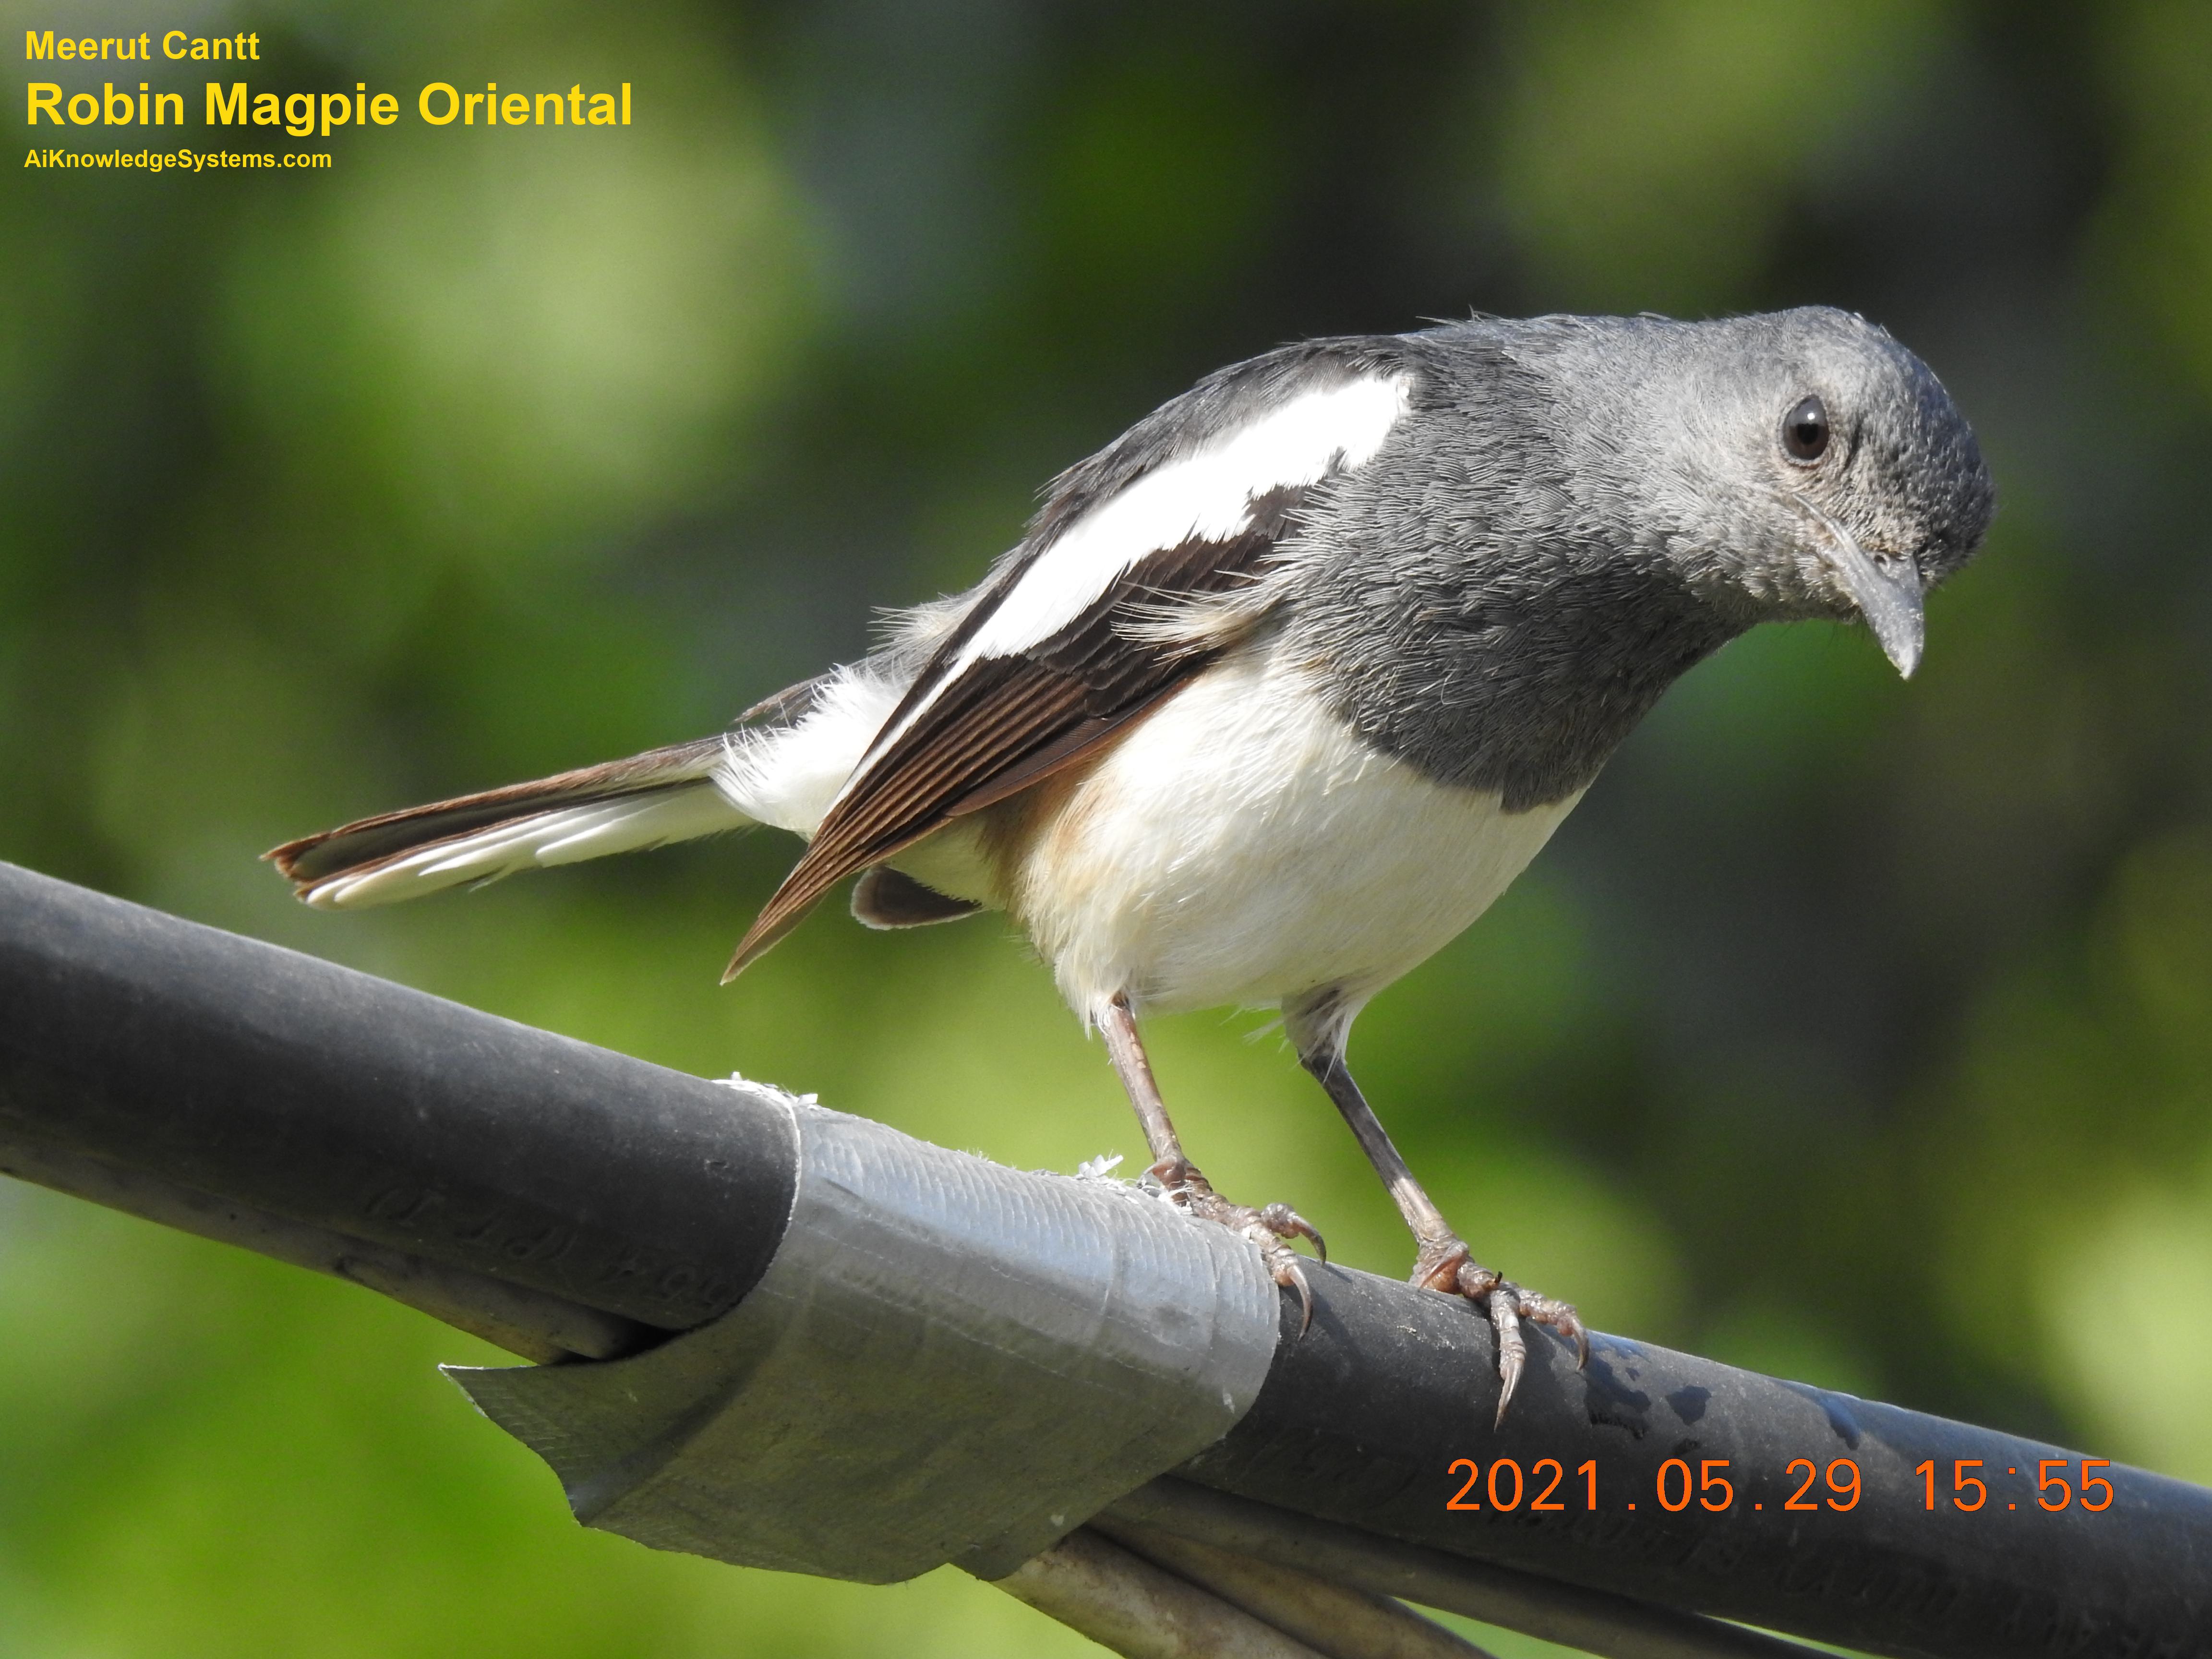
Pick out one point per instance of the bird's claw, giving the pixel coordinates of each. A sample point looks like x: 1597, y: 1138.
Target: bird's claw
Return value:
x: 1284, y: 1222
x: 1447, y: 1267
x: 1270, y: 1229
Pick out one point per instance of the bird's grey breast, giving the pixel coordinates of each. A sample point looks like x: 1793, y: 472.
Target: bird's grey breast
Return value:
x: 1490, y: 600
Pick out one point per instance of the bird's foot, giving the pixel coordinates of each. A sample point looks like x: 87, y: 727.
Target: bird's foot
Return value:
x: 1446, y: 1265
x: 1270, y: 1229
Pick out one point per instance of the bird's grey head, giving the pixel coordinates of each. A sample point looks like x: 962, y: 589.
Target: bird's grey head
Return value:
x: 1811, y: 467
x: 1576, y: 510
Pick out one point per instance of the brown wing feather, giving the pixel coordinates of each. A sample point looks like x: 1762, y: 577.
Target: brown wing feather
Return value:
x: 1009, y: 722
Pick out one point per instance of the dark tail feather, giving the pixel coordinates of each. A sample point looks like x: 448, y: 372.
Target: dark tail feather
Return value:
x: 647, y: 801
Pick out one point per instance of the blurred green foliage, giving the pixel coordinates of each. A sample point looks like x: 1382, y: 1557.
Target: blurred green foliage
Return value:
x: 1854, y: 1030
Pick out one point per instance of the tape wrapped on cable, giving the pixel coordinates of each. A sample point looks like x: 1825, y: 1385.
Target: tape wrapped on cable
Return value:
x: 947, y: 1361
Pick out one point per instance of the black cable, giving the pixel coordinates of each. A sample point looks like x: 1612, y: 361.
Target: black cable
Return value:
x: 583, y: 1203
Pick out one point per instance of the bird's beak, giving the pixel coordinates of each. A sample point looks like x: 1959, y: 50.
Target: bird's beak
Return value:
x: 1886, y: 590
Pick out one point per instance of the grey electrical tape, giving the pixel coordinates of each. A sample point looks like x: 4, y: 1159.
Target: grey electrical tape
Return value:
x: 946, y: 1361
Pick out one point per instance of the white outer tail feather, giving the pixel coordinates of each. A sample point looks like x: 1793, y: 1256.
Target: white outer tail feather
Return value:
x: 561, y: 834
x: 783, y: 775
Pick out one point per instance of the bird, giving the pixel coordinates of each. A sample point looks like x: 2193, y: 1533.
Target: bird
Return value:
x: 1278, y: 691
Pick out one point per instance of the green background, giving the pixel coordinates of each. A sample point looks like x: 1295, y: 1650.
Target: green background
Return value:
x: 1854, y: 1030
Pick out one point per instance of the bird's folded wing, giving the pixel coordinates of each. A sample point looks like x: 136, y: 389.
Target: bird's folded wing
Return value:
x: 1074, y: 636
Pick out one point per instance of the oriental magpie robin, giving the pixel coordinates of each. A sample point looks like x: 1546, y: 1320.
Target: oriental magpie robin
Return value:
x: 1284, y: 686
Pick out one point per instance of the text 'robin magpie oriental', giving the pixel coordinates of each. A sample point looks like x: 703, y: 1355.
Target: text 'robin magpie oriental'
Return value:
x: 1285, y: 685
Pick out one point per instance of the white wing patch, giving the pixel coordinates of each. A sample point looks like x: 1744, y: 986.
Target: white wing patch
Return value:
x: 561, y: 834
x: 1205, y: 495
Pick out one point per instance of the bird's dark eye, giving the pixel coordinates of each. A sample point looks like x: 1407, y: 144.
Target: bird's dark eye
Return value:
x: 1805, y: 430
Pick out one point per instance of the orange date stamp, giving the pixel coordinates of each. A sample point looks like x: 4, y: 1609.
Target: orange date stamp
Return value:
x: 1502, y: 1485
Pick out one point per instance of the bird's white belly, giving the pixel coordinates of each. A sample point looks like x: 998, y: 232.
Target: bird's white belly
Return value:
x: 1243, y: 846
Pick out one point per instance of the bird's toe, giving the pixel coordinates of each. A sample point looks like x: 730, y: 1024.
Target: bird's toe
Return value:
x: 1445, y: 1265
x: 1284, y: 1222
x: 1270, y: 1229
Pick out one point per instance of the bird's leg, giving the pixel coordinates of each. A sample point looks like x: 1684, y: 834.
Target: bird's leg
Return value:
x: 1270, y: 1229
x: 1443, y: 1261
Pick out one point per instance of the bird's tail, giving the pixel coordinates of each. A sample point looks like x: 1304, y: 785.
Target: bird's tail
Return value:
x: 647, y: 801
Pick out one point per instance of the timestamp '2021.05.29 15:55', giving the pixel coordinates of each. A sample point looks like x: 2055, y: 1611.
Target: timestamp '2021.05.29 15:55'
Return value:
x: 1547, y: 1487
